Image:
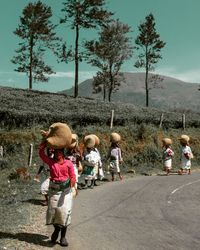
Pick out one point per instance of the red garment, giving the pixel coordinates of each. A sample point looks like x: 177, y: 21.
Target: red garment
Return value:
x: 58, y: 172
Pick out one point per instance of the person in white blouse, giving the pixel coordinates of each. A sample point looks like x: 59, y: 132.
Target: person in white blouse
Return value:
x: 167, y: 155
x: 91, y: 161
x: 186, y: 155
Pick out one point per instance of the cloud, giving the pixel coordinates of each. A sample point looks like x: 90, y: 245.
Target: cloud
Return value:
x: 83, y: 75
x: 192, y: 76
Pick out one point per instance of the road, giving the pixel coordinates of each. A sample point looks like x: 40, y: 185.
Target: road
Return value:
x: 140, y: 213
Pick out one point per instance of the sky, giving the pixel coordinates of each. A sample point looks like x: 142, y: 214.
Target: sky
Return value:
x: 177, y: 22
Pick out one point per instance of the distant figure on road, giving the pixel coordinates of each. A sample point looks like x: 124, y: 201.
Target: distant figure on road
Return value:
x: 167, y: 155
x: 115, y: 156
x: 186, y: 155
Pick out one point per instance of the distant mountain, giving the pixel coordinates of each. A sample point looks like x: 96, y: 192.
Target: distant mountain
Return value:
x: 171, y: 94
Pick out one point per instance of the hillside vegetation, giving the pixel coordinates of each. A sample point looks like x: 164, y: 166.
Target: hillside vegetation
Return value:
x: 24, y: 109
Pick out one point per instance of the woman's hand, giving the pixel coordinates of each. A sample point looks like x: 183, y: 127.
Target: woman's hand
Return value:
x: 43, y: 144
x: 44, y: 133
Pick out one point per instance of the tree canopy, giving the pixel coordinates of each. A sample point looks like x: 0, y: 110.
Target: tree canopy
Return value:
x: 108, y: 53
x: 149, y: 45
x: 37, y: 34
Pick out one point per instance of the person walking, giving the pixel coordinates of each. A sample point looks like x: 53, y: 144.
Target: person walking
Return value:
x: 62, y: 179
x: 168, y: 153
x: 100, y: 173
x: 186, y: 155
x: 115, y: 156
x: 74, y: 155
x: 43, y: 177
x: 91, y: 161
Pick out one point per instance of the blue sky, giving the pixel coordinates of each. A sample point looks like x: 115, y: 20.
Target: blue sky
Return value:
x: 177, y: 22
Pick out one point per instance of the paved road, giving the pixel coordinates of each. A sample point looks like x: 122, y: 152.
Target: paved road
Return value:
x: 142, y: 213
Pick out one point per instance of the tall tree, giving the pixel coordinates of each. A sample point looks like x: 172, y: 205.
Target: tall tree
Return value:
x: 149, y: 45
x: 37, y: 33
x: 109, y: 52
x: 100, y: 83
x: 83, y: 14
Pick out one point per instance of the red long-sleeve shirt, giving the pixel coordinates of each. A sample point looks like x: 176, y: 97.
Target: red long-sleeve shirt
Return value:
x: 58, y: 172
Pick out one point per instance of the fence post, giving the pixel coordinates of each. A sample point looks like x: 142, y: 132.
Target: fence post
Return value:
x: 183, y: 119
x: 112, y: 117
x: 161, y: 120
x: 1, y: 151
x: 30, y: 155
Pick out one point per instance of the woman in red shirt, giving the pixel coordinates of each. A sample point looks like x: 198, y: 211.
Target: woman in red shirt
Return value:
x: 62, y: 178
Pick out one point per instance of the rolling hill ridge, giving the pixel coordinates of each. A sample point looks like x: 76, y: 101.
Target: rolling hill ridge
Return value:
x: 169, y: 94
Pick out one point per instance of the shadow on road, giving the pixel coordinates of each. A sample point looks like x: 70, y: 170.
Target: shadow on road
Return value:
x: 36, y: 239
x: 36, y: 202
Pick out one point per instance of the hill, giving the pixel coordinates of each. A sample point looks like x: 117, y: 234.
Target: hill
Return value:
x: 22, y: 108
x: 170, y: 94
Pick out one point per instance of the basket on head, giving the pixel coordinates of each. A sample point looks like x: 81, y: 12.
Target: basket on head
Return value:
x: 184, y: 139
x: 89, y: 141
x: 74, y: 142
x: 115, y: 137
x: 167, y: 141
x: 59, y: 136
x: 97, y: 140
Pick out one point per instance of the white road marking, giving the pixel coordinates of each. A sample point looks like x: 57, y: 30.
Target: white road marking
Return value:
x: 178, y: 188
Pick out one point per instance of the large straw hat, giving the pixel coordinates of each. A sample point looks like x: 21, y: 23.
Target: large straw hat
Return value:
x: 184, y: 138
x: 59, y: 136
x: 167, y: 141
x: 89, y: 142
x: 74, y: 142
x: 115, y: 137
x: 97, y: 140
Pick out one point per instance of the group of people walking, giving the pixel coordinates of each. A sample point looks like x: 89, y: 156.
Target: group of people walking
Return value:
x: 65, y: 167
x: 185, y: 156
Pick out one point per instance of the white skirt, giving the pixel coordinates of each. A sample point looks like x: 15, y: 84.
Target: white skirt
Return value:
x: 59, y: 207
x: 168, y: 164
x: 44, y: 186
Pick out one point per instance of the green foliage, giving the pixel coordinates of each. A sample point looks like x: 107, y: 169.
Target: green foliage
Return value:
x: 82, y: 14
x: 108, y: 53
x: 149, y: 45
x: 37, y: 34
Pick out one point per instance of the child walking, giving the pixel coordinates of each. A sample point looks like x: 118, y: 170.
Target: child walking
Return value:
x: 115, y: 156
x: 91, y: 161
x: 74, y: 155
x: 186, y: 155
x: 167, y: 155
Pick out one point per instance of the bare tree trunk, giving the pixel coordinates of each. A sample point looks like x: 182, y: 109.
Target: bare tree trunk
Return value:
x: 146, y: 79
x: 31, y: 64
x: 104, y: 92
x: 111, y: 84
x: 76, y: 63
